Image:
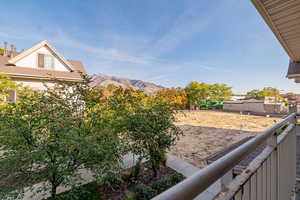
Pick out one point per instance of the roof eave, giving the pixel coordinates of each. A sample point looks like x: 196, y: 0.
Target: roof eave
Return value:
x: 263, y: 12
x: 46, y: 78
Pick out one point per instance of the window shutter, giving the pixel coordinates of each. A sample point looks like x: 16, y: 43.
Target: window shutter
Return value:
x: 40, y: 60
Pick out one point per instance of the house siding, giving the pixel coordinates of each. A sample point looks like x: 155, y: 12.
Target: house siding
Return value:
x: 31, y: 60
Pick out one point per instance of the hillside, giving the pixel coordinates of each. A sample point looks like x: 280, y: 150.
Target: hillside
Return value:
x: 104, y: 80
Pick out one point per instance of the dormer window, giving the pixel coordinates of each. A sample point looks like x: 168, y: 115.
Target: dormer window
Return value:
x: 45, y: 61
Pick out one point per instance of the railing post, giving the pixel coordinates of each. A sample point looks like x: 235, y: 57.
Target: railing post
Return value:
x: 294, y: 149
x: 274, y: 187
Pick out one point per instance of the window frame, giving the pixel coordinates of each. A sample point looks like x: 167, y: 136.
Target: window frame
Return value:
x: 49, y: 59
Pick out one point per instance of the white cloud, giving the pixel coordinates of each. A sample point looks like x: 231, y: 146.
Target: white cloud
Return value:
x: 112, y: 54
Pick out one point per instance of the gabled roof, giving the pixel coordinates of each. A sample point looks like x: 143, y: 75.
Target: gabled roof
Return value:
x: 27, y: 72
x: 44, y: 43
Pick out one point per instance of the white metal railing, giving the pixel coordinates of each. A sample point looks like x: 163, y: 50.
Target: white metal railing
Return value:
x: 270, y: 176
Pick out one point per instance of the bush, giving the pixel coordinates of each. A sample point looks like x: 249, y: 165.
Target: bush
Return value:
x: 165, y: 183
x: 88, y: 191
x: 143, y: 192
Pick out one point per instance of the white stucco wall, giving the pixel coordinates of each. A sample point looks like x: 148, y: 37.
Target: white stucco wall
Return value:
x: 35, y: 85
x: 31, y: 60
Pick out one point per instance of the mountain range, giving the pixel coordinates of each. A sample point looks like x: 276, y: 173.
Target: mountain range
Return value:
x: 105, y: 80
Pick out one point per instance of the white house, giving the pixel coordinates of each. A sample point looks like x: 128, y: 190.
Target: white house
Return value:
x: 35, y: 66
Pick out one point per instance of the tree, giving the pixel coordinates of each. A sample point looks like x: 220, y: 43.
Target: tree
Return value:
x: 144, y: 122
x: 6, y: 85
x: 219, y: 92
x: 261, y: 94
x: 49, y: 136
x: 151, y: 132
x: 255, y: 94
x: 271, y: 92
x: 176, y: 97
x: 197, y: 92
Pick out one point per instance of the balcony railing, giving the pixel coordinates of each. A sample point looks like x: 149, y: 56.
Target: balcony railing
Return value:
x: 270, y: 176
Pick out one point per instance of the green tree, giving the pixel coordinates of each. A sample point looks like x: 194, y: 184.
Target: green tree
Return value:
x: 144, y: 122
x: 50, y: 136
x: 197, y: 92
x: 219, y: 92
x: 261, y: 94
x: 255, y: 94
x: 151, y: 132
x: 6, y: 85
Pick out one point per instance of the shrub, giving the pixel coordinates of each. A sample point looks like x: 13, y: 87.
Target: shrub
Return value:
x: 165, y: 183
x: 88, y: 191
x: 143, y: 192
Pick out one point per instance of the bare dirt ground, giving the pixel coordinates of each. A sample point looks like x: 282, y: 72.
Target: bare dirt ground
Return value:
x: 208, y: 132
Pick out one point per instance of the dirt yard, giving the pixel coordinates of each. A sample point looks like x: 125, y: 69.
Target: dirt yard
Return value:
x: 208, y: 132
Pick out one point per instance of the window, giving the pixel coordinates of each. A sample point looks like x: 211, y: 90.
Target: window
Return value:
x: 12, y: 96
x: 45, y: 61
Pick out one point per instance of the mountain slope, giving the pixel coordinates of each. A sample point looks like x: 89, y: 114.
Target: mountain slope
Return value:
x: 104, y: 80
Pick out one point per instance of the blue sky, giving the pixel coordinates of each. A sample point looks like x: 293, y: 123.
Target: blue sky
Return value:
x: 168, y: 42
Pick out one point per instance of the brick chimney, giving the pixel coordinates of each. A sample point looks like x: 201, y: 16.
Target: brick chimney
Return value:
x: 5, y: 48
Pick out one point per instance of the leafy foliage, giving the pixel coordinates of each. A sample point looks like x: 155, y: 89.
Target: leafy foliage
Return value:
x: 143, y: 192
x: 176, y: 97
x: 148, y: 192
x: 88, y: 191
x: 165, y: 183
x: 52, y: 135
x: 92, y: 191
x: 260, y: 94
x: 198, y: 93
x: 151, y: 132
x: 145, y: 123
x: 6, y: 85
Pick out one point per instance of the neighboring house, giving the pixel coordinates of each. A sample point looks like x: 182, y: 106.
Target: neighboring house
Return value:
x: 35, y: 66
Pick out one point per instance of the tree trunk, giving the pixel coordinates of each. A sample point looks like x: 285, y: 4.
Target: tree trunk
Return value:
x: 53, y: 191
